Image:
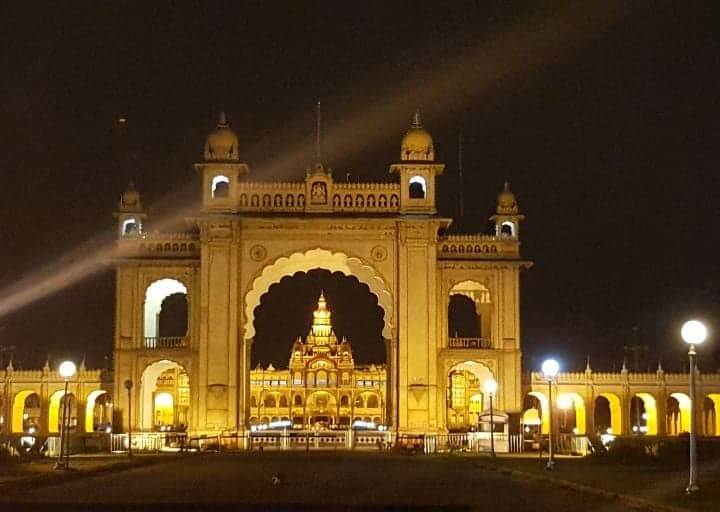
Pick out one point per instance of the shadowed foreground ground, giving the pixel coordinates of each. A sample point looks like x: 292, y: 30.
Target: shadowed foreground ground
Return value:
x: 329, y: 480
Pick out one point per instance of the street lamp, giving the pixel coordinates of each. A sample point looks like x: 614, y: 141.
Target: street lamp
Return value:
x: 693, y: 333
x: 550, y: 369
x: 129, y: 385
x: 66, y: 370
x: 491, y: 388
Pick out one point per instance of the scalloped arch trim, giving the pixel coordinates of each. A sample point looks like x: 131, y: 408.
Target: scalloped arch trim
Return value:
x: 313, y: 259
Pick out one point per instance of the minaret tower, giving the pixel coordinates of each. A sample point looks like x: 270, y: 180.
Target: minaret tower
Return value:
x: 130, y: 214
x: 507, y: 216
x: 417, y: 170
x: 221, y: 168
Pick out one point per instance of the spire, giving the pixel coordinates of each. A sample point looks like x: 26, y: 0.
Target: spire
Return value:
x: 587, y: 365
x: 10, y: 366
x: 461, y: 205
x: 82, y: 365
x: 660, y: 368
x: 222, y: 120
x: 46, y: 367
x: 318, y: 153
x: 417, y: 121
x: 624, y: 366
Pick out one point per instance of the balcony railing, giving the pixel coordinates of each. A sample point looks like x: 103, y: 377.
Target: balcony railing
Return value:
x: 470, y: 343
x: 161, y: 343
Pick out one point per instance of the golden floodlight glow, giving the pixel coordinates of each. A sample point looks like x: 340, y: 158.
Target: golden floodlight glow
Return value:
x: 693, y: 332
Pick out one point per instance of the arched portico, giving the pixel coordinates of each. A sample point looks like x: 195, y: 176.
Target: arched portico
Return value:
x: 158, y: 382
x: 318, y: 259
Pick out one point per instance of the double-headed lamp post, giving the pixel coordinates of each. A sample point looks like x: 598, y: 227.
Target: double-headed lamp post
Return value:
x: 66, y: 370
x: 550, y: 369
x: 491, y: 387
x: 693, y: 333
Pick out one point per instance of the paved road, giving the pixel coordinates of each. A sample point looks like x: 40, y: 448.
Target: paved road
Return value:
x: 324, y: 479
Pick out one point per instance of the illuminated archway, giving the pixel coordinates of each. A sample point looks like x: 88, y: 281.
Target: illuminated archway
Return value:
x: 90, y: 409
x: 57, y: 400
x: 318, y: 259
x: 615, y: 413
x: 479, y: 295
x: 19, y: 410
x: 566, y: 401
x: 684, y: 416
x: 465, y: 384
x: 650, y: 417
x: 544, y: 411
x: 712, y: 422
x: 160, y: 378
x: 155, y: 294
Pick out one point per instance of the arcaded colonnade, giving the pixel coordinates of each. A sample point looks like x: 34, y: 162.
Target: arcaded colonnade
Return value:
x: 32, y: 401
x: 624, y: 403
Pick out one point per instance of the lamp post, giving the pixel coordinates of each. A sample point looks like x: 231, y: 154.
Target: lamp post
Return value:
x: 550, y: 369
x: 129, y: 385
x: 66, y: 370
x: 491, y: 388
x: 693, y: 333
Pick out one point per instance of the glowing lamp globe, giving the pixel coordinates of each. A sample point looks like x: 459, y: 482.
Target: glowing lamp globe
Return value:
x: 490, y: 386
x: 67, y: 369
x: 693, y: 332
x: 550, y: 368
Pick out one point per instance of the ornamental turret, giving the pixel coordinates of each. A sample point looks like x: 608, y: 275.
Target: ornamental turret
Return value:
x: 221, y: 168
x: 417, y: 169
x: 507, y: 216
x: 130, y: 214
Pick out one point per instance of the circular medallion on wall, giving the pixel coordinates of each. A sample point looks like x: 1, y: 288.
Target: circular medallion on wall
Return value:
x: 378, y: 253
x: 258, y: 252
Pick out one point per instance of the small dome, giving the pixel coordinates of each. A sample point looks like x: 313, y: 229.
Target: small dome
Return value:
x: 506, y: 202
x: 222, y: 143
x: 417, y: 144
x: 130, y: 199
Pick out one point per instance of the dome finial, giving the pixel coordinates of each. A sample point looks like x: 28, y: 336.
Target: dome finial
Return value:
x: 417, y: 144
x: 417, y: 121
x: 222, y: 143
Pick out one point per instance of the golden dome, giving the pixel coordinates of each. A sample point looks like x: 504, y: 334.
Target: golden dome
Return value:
x: 222, y: 143
x: 321, y: 326
x: 417, y: 144
x: 130, y: 199
x: 506, y: 202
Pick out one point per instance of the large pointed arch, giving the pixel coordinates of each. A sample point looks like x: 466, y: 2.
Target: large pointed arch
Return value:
x: 318, y: 259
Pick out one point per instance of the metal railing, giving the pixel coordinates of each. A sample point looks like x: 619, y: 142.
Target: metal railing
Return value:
x: 470, y: 343
x: 157, y: 343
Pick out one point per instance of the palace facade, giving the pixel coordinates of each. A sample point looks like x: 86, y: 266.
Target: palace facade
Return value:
x: 322, y: 386
x: 244, y: 236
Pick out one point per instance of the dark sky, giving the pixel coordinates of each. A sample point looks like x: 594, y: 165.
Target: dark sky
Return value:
x: 611, y: 140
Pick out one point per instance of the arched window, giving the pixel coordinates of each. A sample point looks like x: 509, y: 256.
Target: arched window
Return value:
x: 372, y: 401
x: 220, y: 186
x: 359, y: 401
x: 298, y: 400
x: 283, y: 401
x: 165, y: 310
x: 417, y: 187
x: 344, y: 401
x: 462, y: 318
x: 269, y: 401
x: 130, y: 227
x: 322, y: 378
x: 507, y: 228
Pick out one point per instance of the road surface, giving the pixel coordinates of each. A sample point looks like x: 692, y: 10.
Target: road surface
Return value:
x: 311, y: 481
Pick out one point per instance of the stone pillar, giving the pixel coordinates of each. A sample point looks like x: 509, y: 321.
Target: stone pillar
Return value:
x: 417, y: 318
x: 218, y: 371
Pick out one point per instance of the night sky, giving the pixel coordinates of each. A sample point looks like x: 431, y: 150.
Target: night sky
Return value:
x: 605, y: 119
